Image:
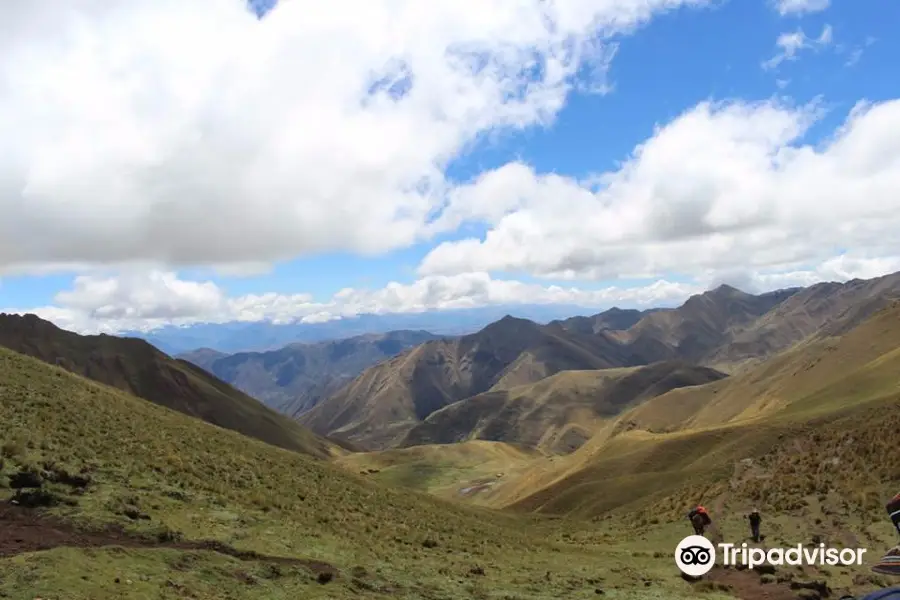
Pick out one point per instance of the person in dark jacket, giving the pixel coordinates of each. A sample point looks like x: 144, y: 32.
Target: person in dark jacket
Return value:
x: 755, y: 519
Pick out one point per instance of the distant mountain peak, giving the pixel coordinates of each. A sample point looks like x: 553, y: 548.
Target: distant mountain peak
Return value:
x: 510, y: 323
x: 725, y: 289
x: 28, y: 318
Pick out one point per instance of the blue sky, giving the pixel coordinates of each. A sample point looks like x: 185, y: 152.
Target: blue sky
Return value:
x: 661, y: 69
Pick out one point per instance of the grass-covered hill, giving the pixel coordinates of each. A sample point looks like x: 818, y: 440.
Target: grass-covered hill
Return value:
x: 821, y: 418
x: 129, y: 493
x: 136, y: 367
x: 558, y: 413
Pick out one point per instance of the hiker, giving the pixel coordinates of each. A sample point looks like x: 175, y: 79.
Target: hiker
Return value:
x: 890, y: 562
x: 755, y: 520
x: 699, y: 518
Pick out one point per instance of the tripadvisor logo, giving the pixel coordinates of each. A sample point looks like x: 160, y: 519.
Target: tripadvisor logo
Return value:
x: 695, y: 555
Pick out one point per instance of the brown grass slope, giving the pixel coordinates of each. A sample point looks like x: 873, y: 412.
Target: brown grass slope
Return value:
x: 727, y: 329
x: 687, y: 443
x: 559, y: 413
x: 722, y: 329
x: 700, y: 325
x: 818, y: 363
x: 295, y: 378
x: 377, y: 408
x: 828, y: 308
x: 613, y: 319
x: 202, y: 357
x: 138, y: 368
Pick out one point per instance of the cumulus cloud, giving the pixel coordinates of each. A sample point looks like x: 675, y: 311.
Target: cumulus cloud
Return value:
x: 799, y: 7
x: 790, y: 44
x: 143, y: 300
x: 196, y: 133
x: 724, y: 185
x: 165, y: 133
x: 149, y: 299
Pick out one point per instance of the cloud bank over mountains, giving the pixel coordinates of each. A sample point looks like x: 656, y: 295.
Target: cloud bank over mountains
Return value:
x: 149, y: 136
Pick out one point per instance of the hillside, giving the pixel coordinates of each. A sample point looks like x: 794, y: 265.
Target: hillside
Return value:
x: 724, y: 329
x: 556, y: 414
x: 377, y: 408
x: 613, y: 319
x: 727, y: 328
x: 701, y: 325
x: 295, y: 378
x: 825, y: 308
x: 202, y: 357
x: 144, y: 502
x: 819, y: 363
x: 134, y: 366
x: 764, y: 436
x: 451, y: 471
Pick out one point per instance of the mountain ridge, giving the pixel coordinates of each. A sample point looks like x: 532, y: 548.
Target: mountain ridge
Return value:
x: 378, y: 407
x: 138, y: 368
x: 722, y: 329
x: 293, y: 379
x: 556, y: 413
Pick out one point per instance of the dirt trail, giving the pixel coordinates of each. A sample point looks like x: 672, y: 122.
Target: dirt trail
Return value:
x: 27, y: 530
x: 747, y: 586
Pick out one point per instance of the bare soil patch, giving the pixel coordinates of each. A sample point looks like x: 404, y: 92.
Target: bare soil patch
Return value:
x: 28, y: 530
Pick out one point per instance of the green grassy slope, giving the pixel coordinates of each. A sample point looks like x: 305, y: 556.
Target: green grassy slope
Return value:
x: 158, y: 472
x: 454, y: 471
x: 136, y: 367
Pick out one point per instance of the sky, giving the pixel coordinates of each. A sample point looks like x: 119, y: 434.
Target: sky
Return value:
x: 188, y: 161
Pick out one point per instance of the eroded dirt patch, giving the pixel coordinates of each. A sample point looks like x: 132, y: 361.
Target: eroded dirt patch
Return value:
x: 28, y: 530
x: 747, y: 585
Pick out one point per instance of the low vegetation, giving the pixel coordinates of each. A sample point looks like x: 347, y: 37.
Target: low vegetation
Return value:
x: 110, y: 460
x: 136, y: 367
x: 108, y: 495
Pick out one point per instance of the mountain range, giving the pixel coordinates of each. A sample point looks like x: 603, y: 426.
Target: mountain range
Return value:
x: 723, y: 329
x: 295, y: 378
x: 236, y: 336
x: 176, y: 480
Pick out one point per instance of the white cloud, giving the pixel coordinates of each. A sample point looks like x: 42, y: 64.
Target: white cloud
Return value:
x: 790, y: 44
x: 193, y: 133
x: 856, y: 52
x: 148, y: 299
x: 722, y: 186
x: 840, y: 268
x: 799, y: 7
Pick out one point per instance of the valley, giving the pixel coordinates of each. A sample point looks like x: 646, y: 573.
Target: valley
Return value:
x: 519, y: 461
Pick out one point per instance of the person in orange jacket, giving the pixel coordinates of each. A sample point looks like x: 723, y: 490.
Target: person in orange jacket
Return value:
x: 699, y: 519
